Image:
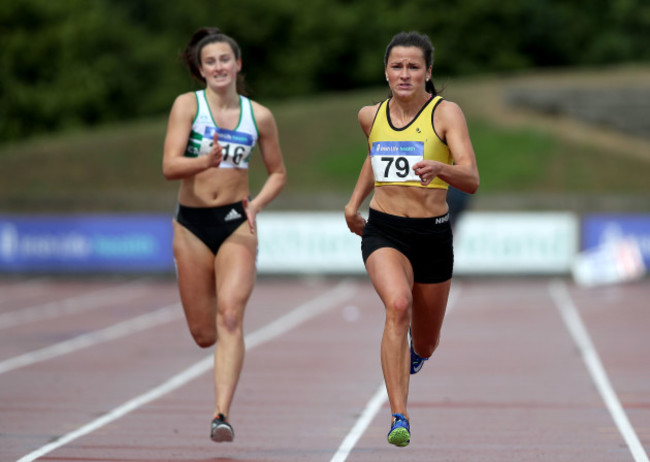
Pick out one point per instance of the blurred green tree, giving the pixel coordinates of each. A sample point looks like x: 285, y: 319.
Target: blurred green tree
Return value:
x: 81, y: 62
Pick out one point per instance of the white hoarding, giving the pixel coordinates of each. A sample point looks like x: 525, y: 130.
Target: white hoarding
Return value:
x: 516, y: 243
x: 485, y: 243
x: 307, y: 242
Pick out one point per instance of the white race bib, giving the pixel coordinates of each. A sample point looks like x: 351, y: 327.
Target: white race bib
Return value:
x: 393, y: 161
x: 237, y: 146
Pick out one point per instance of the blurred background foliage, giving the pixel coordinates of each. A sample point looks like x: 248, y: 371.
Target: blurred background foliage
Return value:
x: 75, y: 63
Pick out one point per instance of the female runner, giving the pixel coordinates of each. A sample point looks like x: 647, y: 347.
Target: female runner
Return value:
x: 418, y: 145
x: 210, y: 137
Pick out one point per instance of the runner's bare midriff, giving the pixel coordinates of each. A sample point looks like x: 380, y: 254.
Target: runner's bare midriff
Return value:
x: 214, y: 187
x: 409, y: 201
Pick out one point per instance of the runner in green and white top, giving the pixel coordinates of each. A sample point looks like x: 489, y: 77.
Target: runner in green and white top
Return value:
x: 210, y: 139
x: 237, y: 144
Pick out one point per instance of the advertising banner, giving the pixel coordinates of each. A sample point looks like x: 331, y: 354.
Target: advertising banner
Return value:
x: 516, y: 243
x: 289, y: 243
x: 307, y: 242
x: 597, y: 229
x: 484, y: 243
x: 77, y: 243
x: 615, y: 249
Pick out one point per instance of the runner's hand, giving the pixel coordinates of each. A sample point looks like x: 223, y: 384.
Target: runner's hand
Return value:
x: 427, y: 170
x: 250, y: 215
x: 355, y: 222
x: 216, y: 153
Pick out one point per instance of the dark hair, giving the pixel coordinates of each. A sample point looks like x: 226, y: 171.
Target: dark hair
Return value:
x: 191, y: 56
x: 414, y: 39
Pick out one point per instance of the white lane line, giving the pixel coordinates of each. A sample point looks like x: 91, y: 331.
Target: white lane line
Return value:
x: 121, y: 329
x: 85, y: 302
x: 360, y: 426
x: 581, y: 337
x: 302, y: 313
x: 375, y: 404
x: 343, y: 291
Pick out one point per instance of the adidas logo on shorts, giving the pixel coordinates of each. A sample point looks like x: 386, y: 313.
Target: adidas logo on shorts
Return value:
x: 232, y: 215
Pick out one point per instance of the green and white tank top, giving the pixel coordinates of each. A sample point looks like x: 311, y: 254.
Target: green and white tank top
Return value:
x: 237, y: 144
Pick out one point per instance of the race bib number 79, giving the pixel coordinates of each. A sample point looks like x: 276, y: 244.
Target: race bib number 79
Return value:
x: 392, y: 161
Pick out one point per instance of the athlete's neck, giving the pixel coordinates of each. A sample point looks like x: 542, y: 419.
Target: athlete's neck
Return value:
x: 222, y: 100
x: 404, y: 111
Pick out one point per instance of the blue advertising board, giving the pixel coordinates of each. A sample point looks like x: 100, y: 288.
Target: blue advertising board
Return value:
x: 86, y: 243
x: 598, y: 229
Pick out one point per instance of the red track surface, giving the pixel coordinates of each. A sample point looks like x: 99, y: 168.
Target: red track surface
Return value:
x: 508, y: 382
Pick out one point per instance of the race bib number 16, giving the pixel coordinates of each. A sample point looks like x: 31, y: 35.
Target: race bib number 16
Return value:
x: 392, y: 161
x: 237, y: 146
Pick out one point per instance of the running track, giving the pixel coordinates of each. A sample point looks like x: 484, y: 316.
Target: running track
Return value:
x: 528, y: 370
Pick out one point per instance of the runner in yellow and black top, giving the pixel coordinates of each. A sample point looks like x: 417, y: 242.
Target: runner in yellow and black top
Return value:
x: 210, y: 137
x: 418, y: 144
x: 394, y: 151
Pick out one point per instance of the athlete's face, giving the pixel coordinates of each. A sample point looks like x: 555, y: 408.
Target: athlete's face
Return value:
x: 406, y: 71
x: 219, y: 67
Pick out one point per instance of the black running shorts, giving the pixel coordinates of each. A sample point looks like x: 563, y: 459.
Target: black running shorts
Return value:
x: 426, y: 242
x: 213, y: 225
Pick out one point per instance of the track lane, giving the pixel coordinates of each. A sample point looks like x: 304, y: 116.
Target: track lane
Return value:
x: 506, y: 384
x: 138, y: 376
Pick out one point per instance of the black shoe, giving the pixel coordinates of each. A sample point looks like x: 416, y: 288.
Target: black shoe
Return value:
x: 221, y: 430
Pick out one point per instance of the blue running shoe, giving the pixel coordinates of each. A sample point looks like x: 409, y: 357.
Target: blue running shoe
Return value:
x: 221, y: 430
x: 400, y: 431
x: 417, y: 361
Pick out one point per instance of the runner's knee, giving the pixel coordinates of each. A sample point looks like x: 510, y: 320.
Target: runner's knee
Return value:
x: 426, y: 347
x: 398, y: 308
x: 228, y: 319
x: 203, y: 336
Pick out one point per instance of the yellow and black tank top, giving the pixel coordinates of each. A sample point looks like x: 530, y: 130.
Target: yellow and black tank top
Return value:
x: 394, y: 151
